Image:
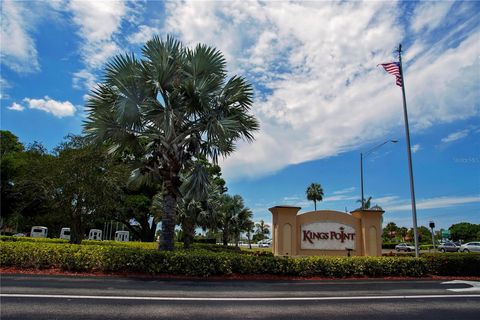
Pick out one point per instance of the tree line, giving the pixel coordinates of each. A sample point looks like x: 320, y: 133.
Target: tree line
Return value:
x: 81, y: 186
x: 463, y: 231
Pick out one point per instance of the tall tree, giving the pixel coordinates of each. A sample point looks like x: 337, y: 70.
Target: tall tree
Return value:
x: 390, y: 230
x: 171, y: 107
x: 86, y: 183
x: 11, y: 162
x: 315, y: 193
x: 402, y: 231
x: 232, y: 218
x: 465, y: 231
x: 26, y: 194
x: 189, y: 212
x: 9, y: 143
x: 137, y: 213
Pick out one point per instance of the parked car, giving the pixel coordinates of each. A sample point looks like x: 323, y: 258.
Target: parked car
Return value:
x: 404, y: 247
x: 448, y: 247
x: 470, y: 247
x: 19, y: 235
x: 266, y: 243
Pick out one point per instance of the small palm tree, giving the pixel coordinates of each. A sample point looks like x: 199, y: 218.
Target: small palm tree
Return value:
x: 262, y: 229
x: 366, y: 204
x: 315, y: 193
x: 233, y: 217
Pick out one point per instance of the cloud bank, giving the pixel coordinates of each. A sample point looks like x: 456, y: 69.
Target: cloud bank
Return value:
x: 319, y: 92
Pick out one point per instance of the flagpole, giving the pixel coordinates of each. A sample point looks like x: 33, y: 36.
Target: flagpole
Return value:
x: 409, y: 153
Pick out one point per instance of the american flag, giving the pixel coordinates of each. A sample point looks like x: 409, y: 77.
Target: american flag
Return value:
x: 393, y: 68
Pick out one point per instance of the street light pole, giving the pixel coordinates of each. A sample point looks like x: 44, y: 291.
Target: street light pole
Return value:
x: 362, y: 199
x: 362, y: 155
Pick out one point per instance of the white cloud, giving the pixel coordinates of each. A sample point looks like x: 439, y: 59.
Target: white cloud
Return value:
x: 433, y: 203
x: 84, y: 79
x: 16, y: 107
x: 99, y: 22
x: 319, y: 92
x: 455, y: 136
x: 58, y: 108
x: 340, y: 197
x: 343, y: 191
x: 429, y: 15
x: 416, y: 147
x: 18, y: 50
x: 4, y: 85
x: 144, y: 34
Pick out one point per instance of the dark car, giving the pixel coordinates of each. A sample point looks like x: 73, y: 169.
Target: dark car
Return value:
x: 448, y: 247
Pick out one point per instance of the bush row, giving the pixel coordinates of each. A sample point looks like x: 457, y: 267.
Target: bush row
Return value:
x: 202, y: 262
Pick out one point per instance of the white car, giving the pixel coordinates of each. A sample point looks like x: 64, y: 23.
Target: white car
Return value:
x: 266, y: 243
x: 404, y: 247
x: 470, y: 247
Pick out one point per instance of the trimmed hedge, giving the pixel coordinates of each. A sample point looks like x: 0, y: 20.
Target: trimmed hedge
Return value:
x: 203, y: 262
x: 453, y: 264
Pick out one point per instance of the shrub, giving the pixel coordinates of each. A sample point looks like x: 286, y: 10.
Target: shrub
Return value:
x: 29, y: 239
x: 453, y: 264
x: 202, y: 261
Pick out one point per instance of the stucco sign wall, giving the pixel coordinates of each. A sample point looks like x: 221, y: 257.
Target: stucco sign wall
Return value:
x: 326, y: 232
x: 327, y: 236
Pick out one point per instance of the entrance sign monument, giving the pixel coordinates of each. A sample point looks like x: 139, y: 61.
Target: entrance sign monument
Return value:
x: 326, y: 232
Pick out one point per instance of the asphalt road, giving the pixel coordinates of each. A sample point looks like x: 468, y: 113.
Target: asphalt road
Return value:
x: 58, y: 297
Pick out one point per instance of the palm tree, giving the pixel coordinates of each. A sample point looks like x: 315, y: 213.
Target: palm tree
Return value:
x: 314, y: 193
x: 250, y: 229
x: 232, y: 217
x: 262, y: 229
x: 366, y: 203
x: 188, y: 213
x: 168, y: 108
x: 241, y: 222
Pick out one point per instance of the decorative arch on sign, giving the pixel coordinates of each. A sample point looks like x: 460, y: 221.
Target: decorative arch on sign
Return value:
x: 372, y: 241
x: 287, y: 239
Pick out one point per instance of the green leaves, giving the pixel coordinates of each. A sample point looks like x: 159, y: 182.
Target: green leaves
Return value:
x: 206, y: 260
x: 168, y: 108
x: 315, y: 193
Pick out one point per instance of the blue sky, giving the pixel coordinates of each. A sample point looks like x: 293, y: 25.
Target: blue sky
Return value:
x: 320, y: 97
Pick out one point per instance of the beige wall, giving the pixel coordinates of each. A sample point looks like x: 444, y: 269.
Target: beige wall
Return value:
x: 287, y: 231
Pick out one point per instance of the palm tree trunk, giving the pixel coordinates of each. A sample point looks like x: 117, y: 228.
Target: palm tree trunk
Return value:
x: 188, y: 233
x: 168, y: 223
x: 315, y: 204
x: 225, y: 237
